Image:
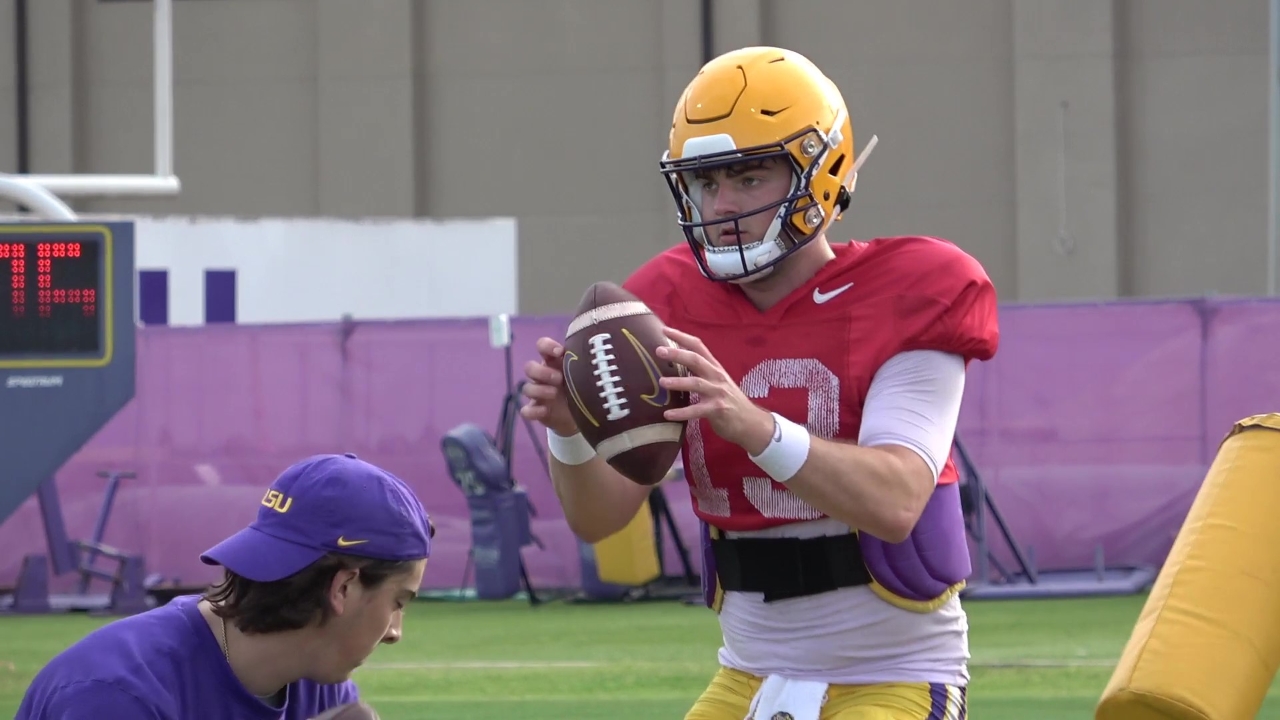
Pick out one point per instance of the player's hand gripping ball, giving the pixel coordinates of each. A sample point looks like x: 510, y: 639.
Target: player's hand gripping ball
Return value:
x: 612, y: 378
x: 720, y: 400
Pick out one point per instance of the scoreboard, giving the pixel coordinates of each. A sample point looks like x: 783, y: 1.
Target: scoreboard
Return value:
x: 56, y: 307
x: 67, y: 361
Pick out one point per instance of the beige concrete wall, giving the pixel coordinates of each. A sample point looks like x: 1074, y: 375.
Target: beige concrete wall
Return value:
x: 1079, y: 148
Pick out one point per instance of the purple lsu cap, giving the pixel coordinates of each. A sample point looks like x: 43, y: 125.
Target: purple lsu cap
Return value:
x: 324, y: 504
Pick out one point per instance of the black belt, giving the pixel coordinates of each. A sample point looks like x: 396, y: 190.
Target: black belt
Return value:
x: 784, y: 568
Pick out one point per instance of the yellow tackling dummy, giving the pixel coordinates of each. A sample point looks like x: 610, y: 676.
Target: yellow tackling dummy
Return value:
x: 1207, y: 643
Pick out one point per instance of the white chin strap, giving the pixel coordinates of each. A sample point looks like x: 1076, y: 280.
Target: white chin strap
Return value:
x: 728, y: 262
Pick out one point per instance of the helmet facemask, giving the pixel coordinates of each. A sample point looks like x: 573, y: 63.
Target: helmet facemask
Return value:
x: 798, y: 217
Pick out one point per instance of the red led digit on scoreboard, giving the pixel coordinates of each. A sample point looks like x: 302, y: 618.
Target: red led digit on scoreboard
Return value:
x: 46, y: 295
x: 15, y: 254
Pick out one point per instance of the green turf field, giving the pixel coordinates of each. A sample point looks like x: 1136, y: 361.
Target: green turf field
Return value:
x: 1042, y: 660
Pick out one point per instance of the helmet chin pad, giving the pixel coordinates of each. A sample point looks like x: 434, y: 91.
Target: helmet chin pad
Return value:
x: 733, y: 261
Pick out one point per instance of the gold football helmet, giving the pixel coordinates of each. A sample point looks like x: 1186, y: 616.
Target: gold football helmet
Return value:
x: 751, y: 104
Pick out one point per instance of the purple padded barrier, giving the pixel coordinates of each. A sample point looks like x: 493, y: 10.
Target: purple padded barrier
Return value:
x: 1094, y: 424
x: 221, y: 409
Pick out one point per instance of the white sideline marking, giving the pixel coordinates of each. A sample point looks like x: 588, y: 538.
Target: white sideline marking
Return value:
x: 481, y: 665
x: 381, y: 700
x: 1095, y: 662
x: 569, y: 664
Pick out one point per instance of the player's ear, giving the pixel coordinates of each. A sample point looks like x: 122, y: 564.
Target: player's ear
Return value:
x: 341, y: 589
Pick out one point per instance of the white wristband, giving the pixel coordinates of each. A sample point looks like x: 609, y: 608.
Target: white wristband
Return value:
x: 572, y: 450
x: 785, y: 454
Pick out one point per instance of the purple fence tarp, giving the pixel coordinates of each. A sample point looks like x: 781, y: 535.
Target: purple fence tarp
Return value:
x: 1093, y: 427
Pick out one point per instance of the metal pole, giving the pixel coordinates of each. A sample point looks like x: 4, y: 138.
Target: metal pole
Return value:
x: 162, y: 81
x: 1273, y: 176
x: 162, y: 182
x: 24, y: 192
x: 22, y: 64
x: 707, y: 17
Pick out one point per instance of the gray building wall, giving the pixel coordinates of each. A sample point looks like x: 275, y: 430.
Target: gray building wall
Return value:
x: 1078, y: 148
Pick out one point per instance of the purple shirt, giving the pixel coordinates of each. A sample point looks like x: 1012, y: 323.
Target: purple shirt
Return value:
x: 162, y: 664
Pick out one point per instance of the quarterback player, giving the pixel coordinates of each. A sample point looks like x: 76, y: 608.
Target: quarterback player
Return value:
x: 826, y: 381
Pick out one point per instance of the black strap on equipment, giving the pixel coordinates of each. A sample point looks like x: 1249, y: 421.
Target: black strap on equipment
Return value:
x: 784, y: 568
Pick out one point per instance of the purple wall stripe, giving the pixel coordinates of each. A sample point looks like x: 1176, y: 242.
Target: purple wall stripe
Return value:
x: 153, y: 297
x: 219, y: 296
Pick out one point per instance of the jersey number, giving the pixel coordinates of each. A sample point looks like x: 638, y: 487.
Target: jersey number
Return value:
x: 823, y: 388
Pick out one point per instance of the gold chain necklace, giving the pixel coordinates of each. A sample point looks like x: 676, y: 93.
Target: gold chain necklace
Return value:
x: 225, y: 652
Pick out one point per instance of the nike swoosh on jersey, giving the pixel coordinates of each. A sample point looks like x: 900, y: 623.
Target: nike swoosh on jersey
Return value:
x: 821, y: 297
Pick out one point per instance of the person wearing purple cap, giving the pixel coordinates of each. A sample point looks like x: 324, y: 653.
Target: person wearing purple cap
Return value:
x: 309, y: 590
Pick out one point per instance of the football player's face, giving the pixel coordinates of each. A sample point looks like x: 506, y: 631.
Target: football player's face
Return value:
x: 737, y: 189
x: 368, y: 618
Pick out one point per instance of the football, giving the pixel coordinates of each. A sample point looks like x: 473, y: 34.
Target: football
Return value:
x: 350, y: 711
x: 611, y: 372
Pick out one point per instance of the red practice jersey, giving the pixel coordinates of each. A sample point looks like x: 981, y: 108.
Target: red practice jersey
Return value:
x: 811, y: 357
